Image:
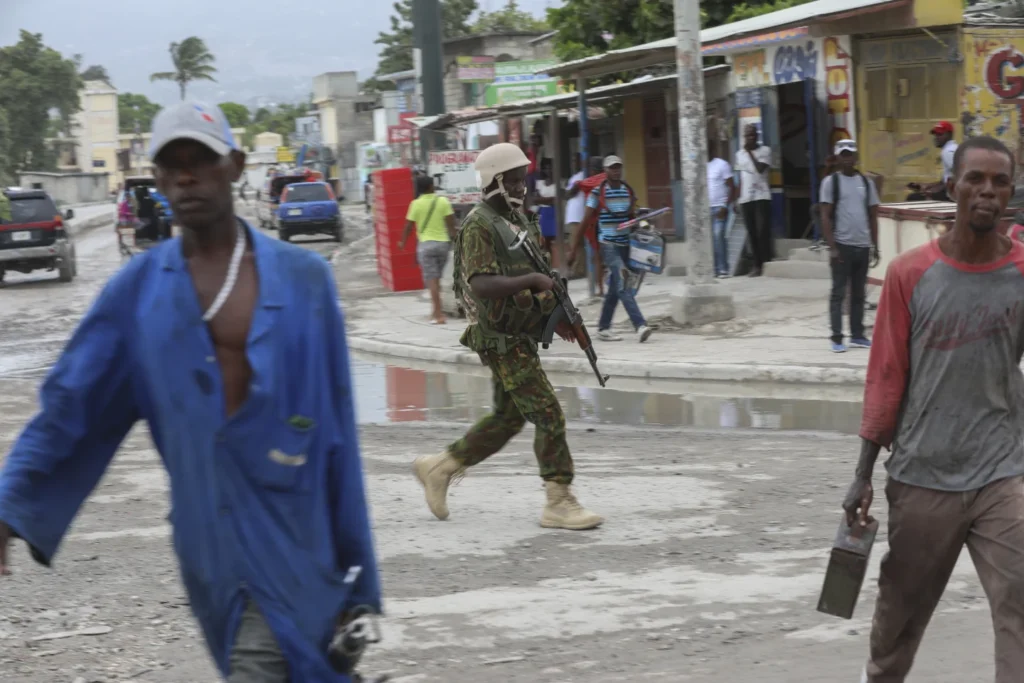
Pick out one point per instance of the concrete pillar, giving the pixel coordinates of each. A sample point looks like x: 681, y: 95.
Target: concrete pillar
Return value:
x: 556, y: 165
x: 701, y: 299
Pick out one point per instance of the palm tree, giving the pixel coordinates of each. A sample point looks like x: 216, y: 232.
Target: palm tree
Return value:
x: 192, y: 62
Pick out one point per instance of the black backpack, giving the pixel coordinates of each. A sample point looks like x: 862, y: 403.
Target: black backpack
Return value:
x: 835, y: 195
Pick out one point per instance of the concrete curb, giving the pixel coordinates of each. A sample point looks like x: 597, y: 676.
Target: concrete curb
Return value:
x: 713, y: 372
x: 76, y: 227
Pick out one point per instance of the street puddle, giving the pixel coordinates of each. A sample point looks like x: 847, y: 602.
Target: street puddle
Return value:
x: 388, y: 393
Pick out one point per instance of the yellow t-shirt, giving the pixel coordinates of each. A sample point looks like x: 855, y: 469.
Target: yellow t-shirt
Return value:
x: 437, y: 229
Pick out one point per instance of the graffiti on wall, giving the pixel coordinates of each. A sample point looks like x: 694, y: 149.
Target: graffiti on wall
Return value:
x: 992, y: 98
x: 795, y: 63
x: 1003, y: 74
x: 838, y: 87
x: 750, y: 69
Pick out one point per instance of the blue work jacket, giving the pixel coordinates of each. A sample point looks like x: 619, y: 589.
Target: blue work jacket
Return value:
x: 267, y: 505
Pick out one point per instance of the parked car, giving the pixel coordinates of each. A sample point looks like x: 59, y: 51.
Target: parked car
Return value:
x: 309, y: 209
x: 269, y: 199
x: 36, y: 238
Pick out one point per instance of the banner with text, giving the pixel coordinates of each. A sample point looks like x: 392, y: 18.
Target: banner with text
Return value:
x: 455, y: 176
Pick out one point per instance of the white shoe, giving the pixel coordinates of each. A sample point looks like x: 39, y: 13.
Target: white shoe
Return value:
x: 644, y: 333
x: 608, y: 335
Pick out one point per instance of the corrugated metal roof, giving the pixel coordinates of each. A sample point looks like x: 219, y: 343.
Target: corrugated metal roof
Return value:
x: 806, y: 13
x: 810, y: 12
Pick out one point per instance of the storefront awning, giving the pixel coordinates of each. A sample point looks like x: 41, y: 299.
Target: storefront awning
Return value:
x: 544, y: 105
x: 718, y: 39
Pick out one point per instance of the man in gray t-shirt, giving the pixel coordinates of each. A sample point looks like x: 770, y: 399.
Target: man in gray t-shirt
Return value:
x: 945, y: 393
x: 849, y: 218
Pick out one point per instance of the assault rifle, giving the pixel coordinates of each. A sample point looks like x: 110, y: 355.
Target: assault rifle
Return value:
x: 565, y: 311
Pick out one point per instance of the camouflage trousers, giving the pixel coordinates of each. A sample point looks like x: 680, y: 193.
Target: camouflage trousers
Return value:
x: 522, y: 393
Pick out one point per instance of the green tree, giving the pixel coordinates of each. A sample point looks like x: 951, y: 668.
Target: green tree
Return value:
x: 589, y: 27
x: 279, y: 120
x: 507, y: 20
x: 743, y: 10
x: 132, y: 108
x: 192, y: 62
x: 6, y: 166
x: 373, y: 84
x: 34, y: 79
x: 96, y: 73
x: 396, y: 54
x: 237, y: 114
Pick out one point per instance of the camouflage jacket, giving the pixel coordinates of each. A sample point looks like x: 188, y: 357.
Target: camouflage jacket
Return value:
x: 482, y: 248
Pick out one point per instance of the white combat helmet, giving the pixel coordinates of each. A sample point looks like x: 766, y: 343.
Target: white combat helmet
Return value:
x: 494, y: 162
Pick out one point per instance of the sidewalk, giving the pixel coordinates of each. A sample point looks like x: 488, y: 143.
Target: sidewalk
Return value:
x: 89, y: 216
x: 780, y: 333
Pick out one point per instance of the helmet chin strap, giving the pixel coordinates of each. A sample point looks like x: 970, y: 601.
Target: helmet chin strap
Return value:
x: 514, y: 203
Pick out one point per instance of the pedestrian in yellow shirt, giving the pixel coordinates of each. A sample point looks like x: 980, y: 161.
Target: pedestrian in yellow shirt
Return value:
x: 5, y: 208
x: 432, y: 217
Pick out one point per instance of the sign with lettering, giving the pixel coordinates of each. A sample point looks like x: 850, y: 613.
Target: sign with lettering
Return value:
x: 399, y: 135
x: 455, y: 176
x: 478, y: 69
x: 750, y: 69
x: 1004, y: 75
x: 993, y: 89
x: 838, y: 88
x: 795, y: 63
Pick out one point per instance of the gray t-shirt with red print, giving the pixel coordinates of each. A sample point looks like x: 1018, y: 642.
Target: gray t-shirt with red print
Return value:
x: 944, y: 384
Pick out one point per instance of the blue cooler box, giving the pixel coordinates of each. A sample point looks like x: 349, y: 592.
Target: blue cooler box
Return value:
x: 646, y: 251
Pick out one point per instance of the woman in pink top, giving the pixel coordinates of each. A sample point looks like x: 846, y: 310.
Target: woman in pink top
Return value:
x: 124, y: 213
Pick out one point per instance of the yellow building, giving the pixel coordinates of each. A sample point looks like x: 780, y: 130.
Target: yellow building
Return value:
x: 992, y: 90
x: 968, y: 71
x: 95, y: 128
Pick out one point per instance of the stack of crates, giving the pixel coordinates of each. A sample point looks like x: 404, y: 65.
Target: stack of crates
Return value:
x: 392, y: 194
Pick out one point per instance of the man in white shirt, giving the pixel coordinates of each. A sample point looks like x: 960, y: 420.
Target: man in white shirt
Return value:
x: 753, y: 162
x: 721, y: 196
x: 575, y: 209
x: 942, y: 134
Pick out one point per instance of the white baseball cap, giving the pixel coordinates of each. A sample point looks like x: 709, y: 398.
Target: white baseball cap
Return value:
x: 846, y: 146
x: 191, y: 120
x: 612, y: 160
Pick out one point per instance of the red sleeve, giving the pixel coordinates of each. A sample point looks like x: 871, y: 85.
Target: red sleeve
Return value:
x: 889, y: 363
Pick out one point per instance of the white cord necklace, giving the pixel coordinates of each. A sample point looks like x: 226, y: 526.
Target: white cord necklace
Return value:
x: 230, y: 280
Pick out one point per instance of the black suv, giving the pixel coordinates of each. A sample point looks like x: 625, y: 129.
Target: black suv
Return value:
x: 35, y: 238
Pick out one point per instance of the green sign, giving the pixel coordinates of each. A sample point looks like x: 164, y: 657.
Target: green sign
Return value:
x: 503, y: 93
x: 505, y: 72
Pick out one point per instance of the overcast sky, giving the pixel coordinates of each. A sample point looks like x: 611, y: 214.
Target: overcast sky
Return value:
x: 264, y: 48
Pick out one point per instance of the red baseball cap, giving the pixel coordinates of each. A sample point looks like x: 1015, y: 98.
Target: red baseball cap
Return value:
x: 942, y: 127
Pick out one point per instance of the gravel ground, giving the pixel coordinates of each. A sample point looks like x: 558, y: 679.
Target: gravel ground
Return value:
x: 707, y: 570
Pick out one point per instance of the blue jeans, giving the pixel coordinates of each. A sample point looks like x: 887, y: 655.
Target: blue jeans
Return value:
x: 615, y: 258
x: 591, y: 267
x: 721, y: 240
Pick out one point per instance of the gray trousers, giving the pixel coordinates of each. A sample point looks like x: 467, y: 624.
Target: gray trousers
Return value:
x: 256, y: 656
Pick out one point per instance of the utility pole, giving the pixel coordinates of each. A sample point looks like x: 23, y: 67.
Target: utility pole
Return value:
x: 428, y: 35
x: 702, y: 299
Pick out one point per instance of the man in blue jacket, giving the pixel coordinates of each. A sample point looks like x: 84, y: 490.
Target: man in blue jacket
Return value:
x: 231, y: 346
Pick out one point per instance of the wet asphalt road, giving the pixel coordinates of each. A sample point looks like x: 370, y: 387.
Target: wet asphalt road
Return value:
x: 708, y: 568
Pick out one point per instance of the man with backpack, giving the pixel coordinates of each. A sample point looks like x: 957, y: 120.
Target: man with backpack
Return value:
x: 849, y: 221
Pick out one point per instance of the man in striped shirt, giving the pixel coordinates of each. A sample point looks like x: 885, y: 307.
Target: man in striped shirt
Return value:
x: 614, y: 203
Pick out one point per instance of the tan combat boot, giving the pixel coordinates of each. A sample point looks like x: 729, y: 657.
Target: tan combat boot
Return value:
x: 436, y: 472
x: 563, y: 511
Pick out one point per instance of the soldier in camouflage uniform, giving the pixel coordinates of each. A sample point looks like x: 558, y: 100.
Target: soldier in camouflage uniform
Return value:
x: 507, y: 304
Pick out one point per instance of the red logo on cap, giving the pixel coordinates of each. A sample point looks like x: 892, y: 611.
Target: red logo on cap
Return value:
x: 206, y: 117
